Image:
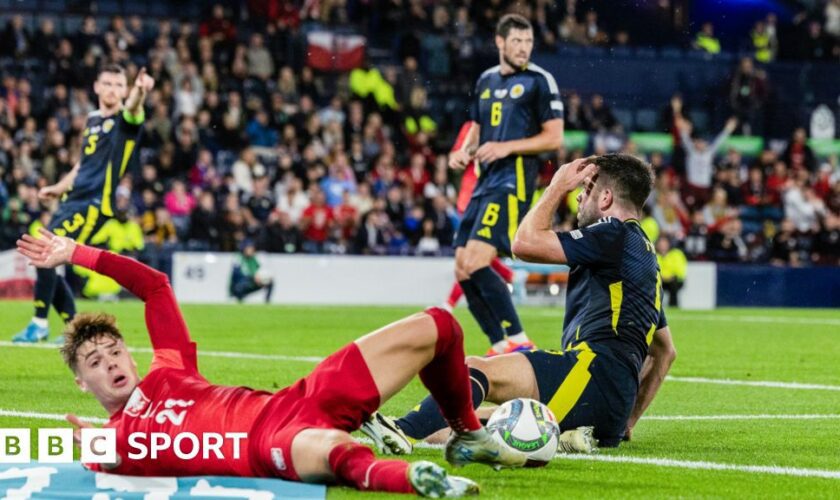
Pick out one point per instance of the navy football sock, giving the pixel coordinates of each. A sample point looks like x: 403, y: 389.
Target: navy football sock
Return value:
x: 489, y: 322
x: 63, y: 300
x: 426, y: 419
x: 498, y: 299
x: 45, y: 284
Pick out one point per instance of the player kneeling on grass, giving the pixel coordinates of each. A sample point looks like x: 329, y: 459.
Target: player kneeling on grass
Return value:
x: 618, y: 347
x: 300, y: 433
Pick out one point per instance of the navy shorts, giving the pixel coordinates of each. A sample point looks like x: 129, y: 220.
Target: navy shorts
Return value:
x: 77, y: 220
x: 492, y: 218
x: 586, y: 388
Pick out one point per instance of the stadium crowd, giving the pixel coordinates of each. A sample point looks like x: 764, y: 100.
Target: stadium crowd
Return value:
x: 245, y: 142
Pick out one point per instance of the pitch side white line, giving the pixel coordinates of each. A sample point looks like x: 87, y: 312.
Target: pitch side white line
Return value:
x: 756, y: 383
x: 659, y: 462
x: 48, y: 416
x: 647, y: 418
x: 682, y: 464
x: 318, y: 359
x: 690, y: 464
x: 212, y: 354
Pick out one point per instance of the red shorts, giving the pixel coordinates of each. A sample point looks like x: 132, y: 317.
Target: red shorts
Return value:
x: 339, y: 394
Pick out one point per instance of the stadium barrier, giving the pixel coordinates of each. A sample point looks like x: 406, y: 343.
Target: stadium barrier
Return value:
x: 355, y: 280
x: 770, y: 286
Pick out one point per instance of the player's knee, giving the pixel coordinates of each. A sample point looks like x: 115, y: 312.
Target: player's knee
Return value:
x: 477, y: 362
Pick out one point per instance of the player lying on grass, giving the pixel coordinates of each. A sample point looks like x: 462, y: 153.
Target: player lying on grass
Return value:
x: 618, y: 347
x: 300, y: 433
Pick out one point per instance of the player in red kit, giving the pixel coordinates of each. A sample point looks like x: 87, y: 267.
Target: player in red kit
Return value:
x: 300, y: 433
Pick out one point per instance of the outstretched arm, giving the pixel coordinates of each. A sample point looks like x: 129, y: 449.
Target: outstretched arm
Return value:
x: 143, y: 84
x: 167, y: 329
x: 659, y: 360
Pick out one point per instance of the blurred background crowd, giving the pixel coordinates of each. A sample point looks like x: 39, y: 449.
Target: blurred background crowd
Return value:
x: 323, y: 126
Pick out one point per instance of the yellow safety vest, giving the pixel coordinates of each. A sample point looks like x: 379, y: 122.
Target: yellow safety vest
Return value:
x: 708, y: 43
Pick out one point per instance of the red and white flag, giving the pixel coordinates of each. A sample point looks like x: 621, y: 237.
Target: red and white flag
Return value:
x: 329, y: 51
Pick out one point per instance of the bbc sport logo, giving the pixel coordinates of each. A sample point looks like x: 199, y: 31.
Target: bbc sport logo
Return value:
x: 99, y: 446
x: 54, y: 474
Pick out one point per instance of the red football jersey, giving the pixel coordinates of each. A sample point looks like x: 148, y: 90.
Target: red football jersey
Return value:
x: 174, y: 398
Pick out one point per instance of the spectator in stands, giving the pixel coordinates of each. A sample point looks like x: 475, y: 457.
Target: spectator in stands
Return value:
x: 599, y: 116
x: 747, y: 96
x: 784, y: 250
x: 727, y: 245
x: 16, y: 39
x: 280, y: 234
x: 371, y: 237
x: 699, y: 160
x: 803, y: 207
x: 204, y: 224
x: 763, y: 44
x: 706, y: 40
x: 316, y: 223
x: 798, y: 154
x: 260, y: 202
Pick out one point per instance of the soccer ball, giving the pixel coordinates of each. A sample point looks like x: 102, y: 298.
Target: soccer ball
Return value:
x: 528, y: 426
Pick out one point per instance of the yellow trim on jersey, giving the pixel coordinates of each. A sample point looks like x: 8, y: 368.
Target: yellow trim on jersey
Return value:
x: 90, y: 223
x: 649, y: 336
x: 572, y: 388
x: 520, y: 178
x: 513, y: 217
x: 106, y: 192
x: 658, y: 300
x: 616, y: 296
x: 129, y: 148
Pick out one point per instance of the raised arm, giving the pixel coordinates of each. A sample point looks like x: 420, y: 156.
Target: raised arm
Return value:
x: 535, y: 241
x: 659, y: 360
x: 143, y: 84
x: 167, y: 329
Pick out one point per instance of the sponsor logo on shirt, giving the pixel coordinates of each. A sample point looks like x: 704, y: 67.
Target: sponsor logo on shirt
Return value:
x: 576, y: 234
x: 500, y: 93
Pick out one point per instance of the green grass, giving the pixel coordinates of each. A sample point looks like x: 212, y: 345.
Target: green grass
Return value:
x: 741, y: 344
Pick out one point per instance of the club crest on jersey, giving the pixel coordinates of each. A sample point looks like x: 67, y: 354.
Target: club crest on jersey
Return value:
x: 108, y: 125
x: 517, y: 91
x: 485, y: 94
x: 500, y: 93
x: 137, y: 403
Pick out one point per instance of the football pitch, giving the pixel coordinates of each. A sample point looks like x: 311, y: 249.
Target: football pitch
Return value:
x: 752, y: 407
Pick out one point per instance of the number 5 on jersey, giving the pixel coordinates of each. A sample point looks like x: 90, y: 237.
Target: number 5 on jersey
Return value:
x: 91, y: 144
x: 496, y: 113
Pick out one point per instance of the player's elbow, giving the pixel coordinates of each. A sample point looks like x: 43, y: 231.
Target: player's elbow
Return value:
x: 521, y: 249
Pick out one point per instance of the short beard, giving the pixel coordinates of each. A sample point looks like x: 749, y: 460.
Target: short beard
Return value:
x: 587, y: 219
x: 511, y: 63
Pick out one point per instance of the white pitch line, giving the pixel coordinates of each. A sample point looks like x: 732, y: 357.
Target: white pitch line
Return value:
x: 813, y: 416
x: 756, y: 383
x: 806, y: 416
x: 212, y: 354
x: 702, y: 465
x: 48, y: 416
x: 318, y: 359
x: 661, y: 462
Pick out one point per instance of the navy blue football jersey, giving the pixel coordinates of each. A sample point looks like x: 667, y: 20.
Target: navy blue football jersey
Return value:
x: 510, y: 107
x: 614, y: 294
x: 107, y: 148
